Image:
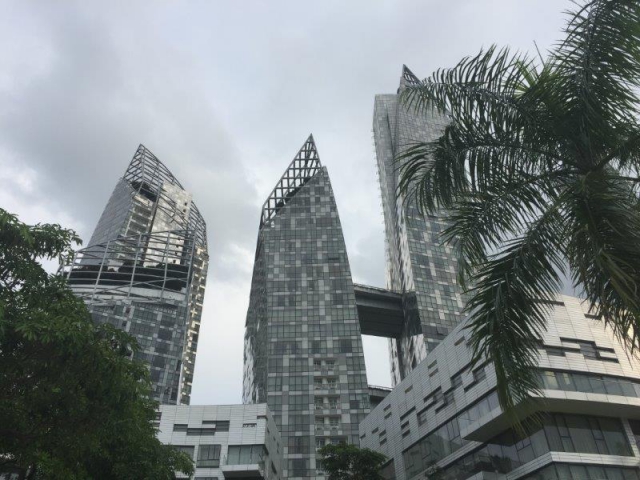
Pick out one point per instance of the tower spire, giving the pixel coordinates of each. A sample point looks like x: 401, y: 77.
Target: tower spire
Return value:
x: 407, y: 78
x: 305, y: 165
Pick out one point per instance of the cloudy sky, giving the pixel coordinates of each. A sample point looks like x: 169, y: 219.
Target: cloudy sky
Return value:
x: 224, y: 93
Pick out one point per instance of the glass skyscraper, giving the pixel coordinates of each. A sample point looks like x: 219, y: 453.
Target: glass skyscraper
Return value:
x: 144, y: 271
x: 419, y: 266
x: 303, y: 348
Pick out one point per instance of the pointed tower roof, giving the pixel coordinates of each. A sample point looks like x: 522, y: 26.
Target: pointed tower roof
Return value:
x: 305, y: 165
x: 407, y: 78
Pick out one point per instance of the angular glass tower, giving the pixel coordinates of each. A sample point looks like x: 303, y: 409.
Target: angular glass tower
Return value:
x: 303, y: 349
x: 418, y: 265
x: 144, y: 271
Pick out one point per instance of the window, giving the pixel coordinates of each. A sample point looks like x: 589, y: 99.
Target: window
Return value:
x: 298, y: 365
x: 588, y: 349
x: 507, y: 451
x: 318, y: 346
x: 549, y: 380
x: 299, y: 402
x: 208, y: 456
x: 479, y: 374
x: 448, y: 397
x: 345, y: 346
x: 297, y: 422
x: 554, y: 351
x: 299, y: 383
x: 299, y: 445
x: 298, y: 467
x: 422, y: 417
x: 188, y: 449
x: 222, y: 426
x: 200, y: 431
x: 245, y: 454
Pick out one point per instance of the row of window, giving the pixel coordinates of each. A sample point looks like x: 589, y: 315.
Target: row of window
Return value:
x: 303, y: 401
x: 300, y: 365
x: 508, y: 451
x: 567, y: 381
x: 209, y: 427
x: 209, y: 455
x: 292, y: 299
x: 293, y: 347
x: 588, y: 349
x: 327, y: 422
x: 440, y: 399
x: 583, y: 472
x: 589, y: 383
x: 312, y: 316
x: 300, y: 286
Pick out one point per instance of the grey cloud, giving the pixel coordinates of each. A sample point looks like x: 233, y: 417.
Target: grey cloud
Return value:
x: 97, y: 102
x: 225, y: 93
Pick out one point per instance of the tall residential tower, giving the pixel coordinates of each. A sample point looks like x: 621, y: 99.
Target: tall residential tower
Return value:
x: 303, y: 348
x: 144, y: 271
x: 419, y: 266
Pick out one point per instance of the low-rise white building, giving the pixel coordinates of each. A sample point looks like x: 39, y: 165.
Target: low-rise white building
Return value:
x: 225, y: 441
x: 446, y: 413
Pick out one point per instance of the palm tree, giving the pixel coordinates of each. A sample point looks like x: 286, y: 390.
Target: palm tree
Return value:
x: 538, y: 171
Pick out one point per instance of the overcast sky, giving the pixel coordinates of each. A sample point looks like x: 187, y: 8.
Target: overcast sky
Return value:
x: 225, y: 93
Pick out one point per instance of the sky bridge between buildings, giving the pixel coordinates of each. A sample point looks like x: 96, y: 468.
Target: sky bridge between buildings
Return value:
x: 380, y: 311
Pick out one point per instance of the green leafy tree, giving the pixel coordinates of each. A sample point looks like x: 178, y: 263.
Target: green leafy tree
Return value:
x: 538, y: 171
x: 72, y: 403
x: 348, y: 462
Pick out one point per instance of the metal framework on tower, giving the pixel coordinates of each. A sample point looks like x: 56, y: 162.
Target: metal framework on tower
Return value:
x: 146, y: 174
x: 303, y: 167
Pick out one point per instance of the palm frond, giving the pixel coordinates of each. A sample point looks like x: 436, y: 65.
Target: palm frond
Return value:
x: 481, y: 87
x: 509, y: 305
x: 598, y: 67
x: 604, y: 251
x: 538, y: 169
x: 439, y: 172
x: 481, y: 222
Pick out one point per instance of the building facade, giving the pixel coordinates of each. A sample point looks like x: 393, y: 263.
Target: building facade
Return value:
x: 303, y: 349
x: 446, y: 414
x: 224, y: 441
x: 419, y: 266
x: 144, y: 271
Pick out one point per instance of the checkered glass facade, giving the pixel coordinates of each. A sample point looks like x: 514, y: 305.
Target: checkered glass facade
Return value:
x: 418, y: 264
x: 303, y: 348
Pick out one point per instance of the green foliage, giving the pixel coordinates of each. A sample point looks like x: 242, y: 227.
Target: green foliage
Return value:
x: 348, y: 462
x: 538, y: 169
x: 72, y: 403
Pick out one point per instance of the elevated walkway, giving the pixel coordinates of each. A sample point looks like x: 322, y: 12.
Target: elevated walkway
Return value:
x: 379, y: 310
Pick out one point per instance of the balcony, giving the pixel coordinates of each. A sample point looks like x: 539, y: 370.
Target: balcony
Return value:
x: 252, y: 471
